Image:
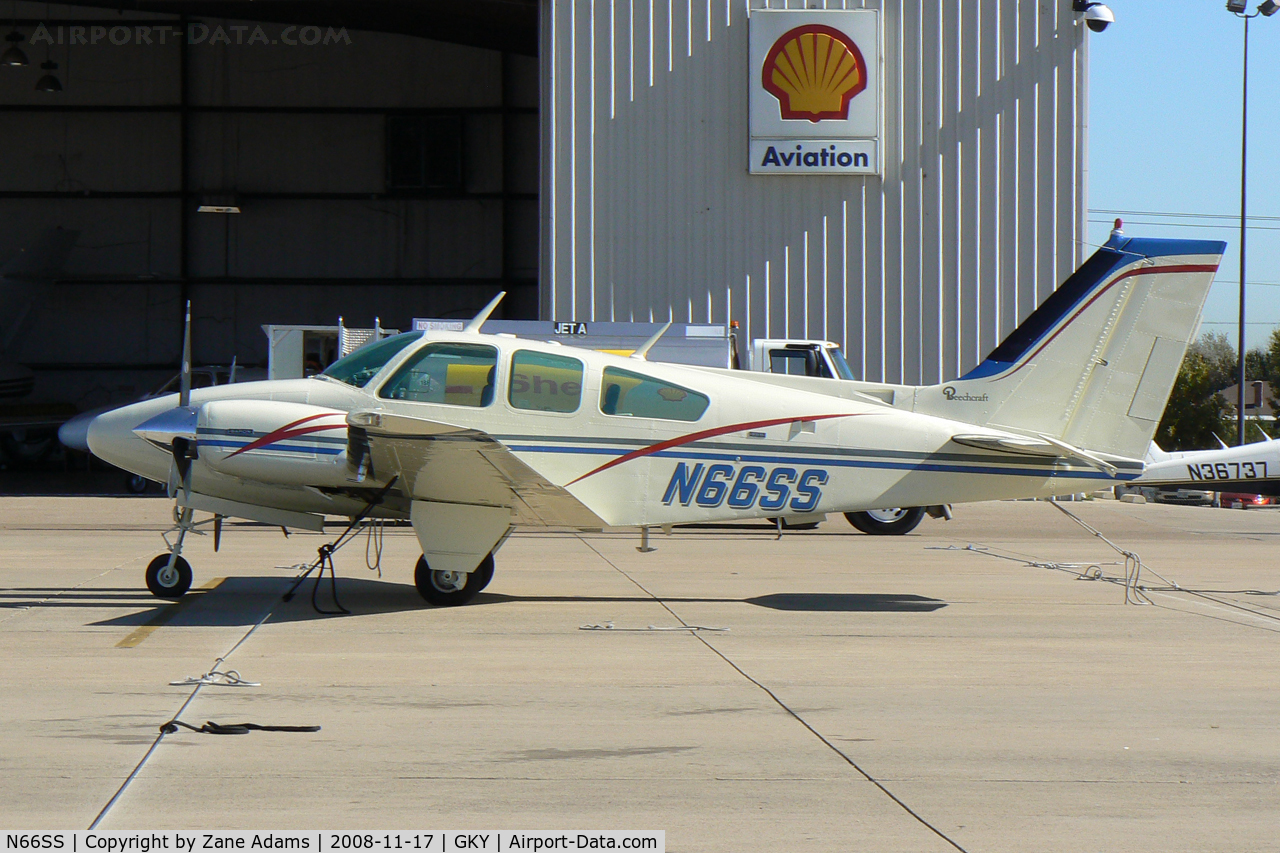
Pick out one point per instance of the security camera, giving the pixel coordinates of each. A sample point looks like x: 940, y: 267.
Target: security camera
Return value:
x: 1097, y: 16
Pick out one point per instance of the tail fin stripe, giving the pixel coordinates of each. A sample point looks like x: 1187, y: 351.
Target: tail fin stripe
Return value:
x: 1023, y: 361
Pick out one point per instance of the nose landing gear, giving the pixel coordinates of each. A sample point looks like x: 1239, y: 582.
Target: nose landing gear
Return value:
x: 169, y: 575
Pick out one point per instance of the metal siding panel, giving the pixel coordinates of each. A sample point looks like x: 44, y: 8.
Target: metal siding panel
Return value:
x: 1007, y: 96
x: 909, y: 170
x: 1025, y: 214
x: 855, y: 336
x: 970, y: 225
x: 1065, y: 215
x: 891, y: 194
x: 989, y: 180
x: 952, y: 310
x: 1046, y: 149
x: 931, y: 193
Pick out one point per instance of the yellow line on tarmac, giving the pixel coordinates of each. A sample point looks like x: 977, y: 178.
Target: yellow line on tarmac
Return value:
x: 164, y: 615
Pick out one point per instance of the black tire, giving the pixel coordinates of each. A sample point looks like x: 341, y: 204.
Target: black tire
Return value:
x: 165, y: 584
x: 440, y: 589
x: 136, y: 483
x: 894, y: 521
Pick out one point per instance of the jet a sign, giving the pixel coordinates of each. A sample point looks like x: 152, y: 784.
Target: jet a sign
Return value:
x: 815, y: 94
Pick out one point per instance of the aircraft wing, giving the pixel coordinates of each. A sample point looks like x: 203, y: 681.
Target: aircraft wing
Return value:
x: 452, y: 464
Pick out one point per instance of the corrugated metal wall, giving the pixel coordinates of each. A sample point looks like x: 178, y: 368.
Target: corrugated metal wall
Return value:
x: 648, y: 209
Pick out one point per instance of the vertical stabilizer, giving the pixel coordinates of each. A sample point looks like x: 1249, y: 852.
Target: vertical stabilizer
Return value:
x: 1093, y: 366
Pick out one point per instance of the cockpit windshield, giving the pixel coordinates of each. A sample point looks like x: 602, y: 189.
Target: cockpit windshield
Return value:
x: 359, y: 367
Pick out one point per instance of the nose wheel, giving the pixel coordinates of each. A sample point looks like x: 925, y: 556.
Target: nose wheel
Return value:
x: 169, y: 576
x: 450, y: 589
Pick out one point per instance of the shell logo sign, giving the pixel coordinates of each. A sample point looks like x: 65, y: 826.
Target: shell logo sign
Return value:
x: 814, y: 71
x: 814, y: 92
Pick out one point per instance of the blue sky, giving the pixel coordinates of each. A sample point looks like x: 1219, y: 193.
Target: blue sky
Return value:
x: 1164, y: 137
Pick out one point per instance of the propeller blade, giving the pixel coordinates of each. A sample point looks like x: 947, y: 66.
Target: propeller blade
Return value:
x: 184, y: 453
x: 217, y: 532
x: 184, y: 392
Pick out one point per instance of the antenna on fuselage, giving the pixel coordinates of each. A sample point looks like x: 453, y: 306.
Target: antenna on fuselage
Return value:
x: 647, y: 345
x: 478, y: 320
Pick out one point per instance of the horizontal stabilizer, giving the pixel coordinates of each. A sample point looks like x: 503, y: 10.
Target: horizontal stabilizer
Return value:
x: 1009, y: 444
x: 1042, y: 446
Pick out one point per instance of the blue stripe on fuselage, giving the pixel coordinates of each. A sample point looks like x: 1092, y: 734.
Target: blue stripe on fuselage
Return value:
x: 278, y: 446
x: 983, y: 466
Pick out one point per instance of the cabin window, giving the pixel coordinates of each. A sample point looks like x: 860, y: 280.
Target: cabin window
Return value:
x: 358, y: 367
x: 633, y: 395
x: 454, y: 374
x: 543, y: 382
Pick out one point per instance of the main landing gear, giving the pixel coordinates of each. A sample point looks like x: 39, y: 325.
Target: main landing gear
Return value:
x: 450, y: 589
x: 894, y: 521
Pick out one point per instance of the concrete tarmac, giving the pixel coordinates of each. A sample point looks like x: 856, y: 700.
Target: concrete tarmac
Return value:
x: 963, y: 687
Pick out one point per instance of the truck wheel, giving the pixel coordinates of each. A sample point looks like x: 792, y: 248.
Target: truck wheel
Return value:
x: 894, y: 521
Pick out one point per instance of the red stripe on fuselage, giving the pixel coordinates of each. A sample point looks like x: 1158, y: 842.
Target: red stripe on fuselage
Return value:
x: 698, y: 436
x: 291, y: 430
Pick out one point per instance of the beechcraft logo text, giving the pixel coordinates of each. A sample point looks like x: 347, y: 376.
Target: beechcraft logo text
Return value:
x: 950, y: 393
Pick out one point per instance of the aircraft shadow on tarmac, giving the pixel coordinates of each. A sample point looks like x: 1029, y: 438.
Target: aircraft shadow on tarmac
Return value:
x: 244, y: 600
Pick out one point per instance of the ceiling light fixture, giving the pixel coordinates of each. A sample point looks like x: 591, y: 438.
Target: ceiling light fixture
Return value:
x: 49, y: 82
x: 14, y: 57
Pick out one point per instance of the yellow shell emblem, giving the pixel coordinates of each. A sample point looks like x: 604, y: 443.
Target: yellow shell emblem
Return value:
x: 814, y: 71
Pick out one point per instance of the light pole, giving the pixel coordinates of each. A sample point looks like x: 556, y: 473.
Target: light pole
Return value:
x: 1266, y: 8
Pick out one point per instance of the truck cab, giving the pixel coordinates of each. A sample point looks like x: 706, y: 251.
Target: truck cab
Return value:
x: 794, y: 357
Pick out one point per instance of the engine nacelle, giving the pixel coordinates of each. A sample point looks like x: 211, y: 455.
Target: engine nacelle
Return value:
x: 275, y: 442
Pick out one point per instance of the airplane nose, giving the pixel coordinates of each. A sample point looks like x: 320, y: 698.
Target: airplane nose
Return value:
x: 74, y: 434
x: 111, y: 437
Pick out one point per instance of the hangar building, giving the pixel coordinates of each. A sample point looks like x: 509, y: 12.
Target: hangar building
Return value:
x: 597, y: 160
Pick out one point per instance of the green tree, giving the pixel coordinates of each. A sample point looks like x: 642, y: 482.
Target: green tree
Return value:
x: 1220, y: 358
x: 1196, y: 414
x: 1273, y: 366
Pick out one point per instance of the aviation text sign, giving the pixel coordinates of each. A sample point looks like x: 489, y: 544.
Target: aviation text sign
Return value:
x: 815, y: 93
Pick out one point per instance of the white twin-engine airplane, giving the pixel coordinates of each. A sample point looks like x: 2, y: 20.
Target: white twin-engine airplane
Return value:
x: 468, y: 435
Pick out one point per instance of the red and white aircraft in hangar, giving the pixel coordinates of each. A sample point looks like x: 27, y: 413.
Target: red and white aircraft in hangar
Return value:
x: 482, y: 433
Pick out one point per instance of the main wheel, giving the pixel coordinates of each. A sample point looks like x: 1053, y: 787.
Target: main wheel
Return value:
x: 894, y: 521
x: 166, y: 582
x: 136, y: 483
x: 449, y: 589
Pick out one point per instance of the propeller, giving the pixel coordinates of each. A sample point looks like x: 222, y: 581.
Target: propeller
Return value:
x: 184, y: 448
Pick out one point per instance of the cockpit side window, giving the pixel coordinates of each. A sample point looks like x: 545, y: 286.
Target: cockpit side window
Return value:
x: 454, y: 374
x: 634, y: 395
x: 358, y: 367
x: 544, y: 382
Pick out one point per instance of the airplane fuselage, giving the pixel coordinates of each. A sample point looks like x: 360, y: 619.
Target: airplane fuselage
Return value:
x: 698, y: 446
